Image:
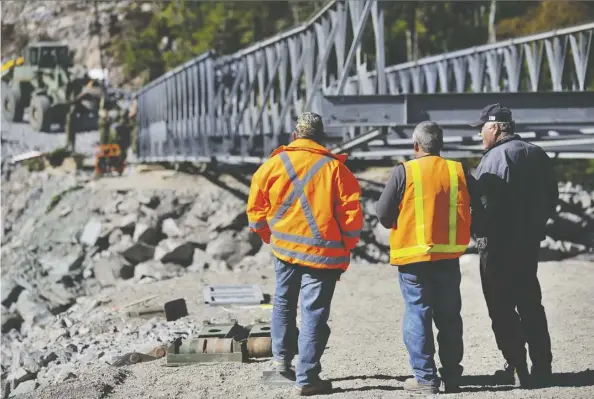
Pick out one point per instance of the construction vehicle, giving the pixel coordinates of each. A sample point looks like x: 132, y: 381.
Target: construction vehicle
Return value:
x: 46, y: 81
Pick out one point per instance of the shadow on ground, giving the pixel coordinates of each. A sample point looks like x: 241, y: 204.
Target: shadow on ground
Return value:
x: 470, y: 383
x: 370, y: 387
x: 480, y: 383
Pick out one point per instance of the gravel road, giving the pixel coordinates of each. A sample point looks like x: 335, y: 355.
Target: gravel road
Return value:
x: 365, y: 357
x: 18, y: 138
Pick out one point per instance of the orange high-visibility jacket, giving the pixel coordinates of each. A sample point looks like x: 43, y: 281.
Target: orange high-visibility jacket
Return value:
x: 305, y: 202
x: 434, y: 218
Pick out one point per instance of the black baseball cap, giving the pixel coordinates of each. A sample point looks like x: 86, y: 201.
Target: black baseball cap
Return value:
x: 493, y: 113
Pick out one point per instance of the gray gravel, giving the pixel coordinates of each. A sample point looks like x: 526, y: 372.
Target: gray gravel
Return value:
x: 365, y: 356
x: 18, y: 138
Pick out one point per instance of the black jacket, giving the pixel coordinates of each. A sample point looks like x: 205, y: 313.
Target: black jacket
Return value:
x: 518, y: 192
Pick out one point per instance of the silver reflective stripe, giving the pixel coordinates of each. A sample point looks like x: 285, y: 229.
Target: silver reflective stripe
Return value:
x: 257, y: 225
x: 294, y: 238
x: 298, y: 192
x: 323, y: 260
x: 353, y: 234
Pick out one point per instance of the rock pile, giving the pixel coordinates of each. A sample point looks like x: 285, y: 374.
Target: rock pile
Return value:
x: 571, y: 231
x: 64, y: 239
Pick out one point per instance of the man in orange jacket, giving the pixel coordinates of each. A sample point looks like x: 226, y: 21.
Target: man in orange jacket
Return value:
x: 426, y: 203
x: 305, y: 202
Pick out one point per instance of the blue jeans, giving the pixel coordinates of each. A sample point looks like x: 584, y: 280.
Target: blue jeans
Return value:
x: 316, y: 287
x: 431, y: 292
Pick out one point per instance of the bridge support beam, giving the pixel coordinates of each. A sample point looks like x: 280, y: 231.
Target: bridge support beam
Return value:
x: 544, y: 108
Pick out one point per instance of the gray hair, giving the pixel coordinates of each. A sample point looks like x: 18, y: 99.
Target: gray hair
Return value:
x: 507, y: 128
x: 429, y: 136
x: 309, y: 126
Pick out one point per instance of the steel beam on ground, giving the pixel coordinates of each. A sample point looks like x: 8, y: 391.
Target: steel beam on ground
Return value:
x: 456, y: 109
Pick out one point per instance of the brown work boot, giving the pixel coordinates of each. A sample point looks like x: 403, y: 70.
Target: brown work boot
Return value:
x: 283, y: 368
x: 412, y: 385
x: 318, y: 388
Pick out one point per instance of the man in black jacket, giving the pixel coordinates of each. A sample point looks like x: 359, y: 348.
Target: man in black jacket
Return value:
x: 519, y: 194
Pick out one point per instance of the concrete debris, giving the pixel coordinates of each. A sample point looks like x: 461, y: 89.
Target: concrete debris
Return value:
x: 24, y: 388
x: 91, y: 232
x: 170, y: 228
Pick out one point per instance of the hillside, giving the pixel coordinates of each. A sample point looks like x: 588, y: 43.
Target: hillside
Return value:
x: 143, y: 39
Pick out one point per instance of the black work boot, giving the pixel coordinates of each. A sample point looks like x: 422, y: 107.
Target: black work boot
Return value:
x: 541, y: 376
x: 451, y: 386
x: 517, y: 376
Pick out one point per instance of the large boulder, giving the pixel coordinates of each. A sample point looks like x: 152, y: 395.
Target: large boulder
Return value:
x: 32, y: 310
x: 146, y: 234
x: 156, y: 270
x: 175, y: 251
x: 230, y: 247
x: 109, y: 270
x: 9, y: 291
x: 382, y: 235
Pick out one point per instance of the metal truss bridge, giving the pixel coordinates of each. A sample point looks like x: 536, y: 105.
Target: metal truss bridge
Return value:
x: 237, y: 108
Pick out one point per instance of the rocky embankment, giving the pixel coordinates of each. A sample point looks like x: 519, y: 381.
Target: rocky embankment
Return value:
x: 68, y: 241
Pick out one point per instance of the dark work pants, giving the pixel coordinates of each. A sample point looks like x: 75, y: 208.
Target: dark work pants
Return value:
x: 513, y: 296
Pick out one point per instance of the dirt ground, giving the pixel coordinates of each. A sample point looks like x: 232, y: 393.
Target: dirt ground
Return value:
x: 365, y: 357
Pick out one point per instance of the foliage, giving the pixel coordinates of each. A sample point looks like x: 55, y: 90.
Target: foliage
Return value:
x: 58, y: 197
x: 57, y: 156
x: 154, y: 41
x: 578, y: 171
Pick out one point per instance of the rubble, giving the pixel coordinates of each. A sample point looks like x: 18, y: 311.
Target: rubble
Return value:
x: 54, y: 263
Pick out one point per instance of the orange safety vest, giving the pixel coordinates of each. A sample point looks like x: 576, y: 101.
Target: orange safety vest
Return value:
x: 434, y: 219
x: 306, y: 201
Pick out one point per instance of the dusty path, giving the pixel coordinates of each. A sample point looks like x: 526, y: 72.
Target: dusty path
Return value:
x: 365, y: 356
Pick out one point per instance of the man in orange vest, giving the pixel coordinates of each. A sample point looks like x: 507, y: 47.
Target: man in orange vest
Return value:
x: 426, y: 204
x: 305, y: 202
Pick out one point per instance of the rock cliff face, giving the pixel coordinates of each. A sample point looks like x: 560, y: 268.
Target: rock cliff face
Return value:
x: 62, y: 20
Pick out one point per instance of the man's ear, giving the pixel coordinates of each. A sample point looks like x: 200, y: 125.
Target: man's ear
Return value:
x: 497, y: 132
x: 416, y: 146
x: 293, y: 136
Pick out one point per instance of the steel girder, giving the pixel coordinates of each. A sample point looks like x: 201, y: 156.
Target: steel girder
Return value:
x: 544, y: 108
x: 561, y: 122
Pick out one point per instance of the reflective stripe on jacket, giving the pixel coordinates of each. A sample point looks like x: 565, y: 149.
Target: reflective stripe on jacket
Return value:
x: 306, y: 201
x: 434, y: 219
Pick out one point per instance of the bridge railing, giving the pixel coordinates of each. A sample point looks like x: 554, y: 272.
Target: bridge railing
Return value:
x: 552, y: 61
x: 176, y: 114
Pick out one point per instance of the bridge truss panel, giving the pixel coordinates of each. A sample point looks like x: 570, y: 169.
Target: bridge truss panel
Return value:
x: 175, y: 113
x: 559, y: 60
